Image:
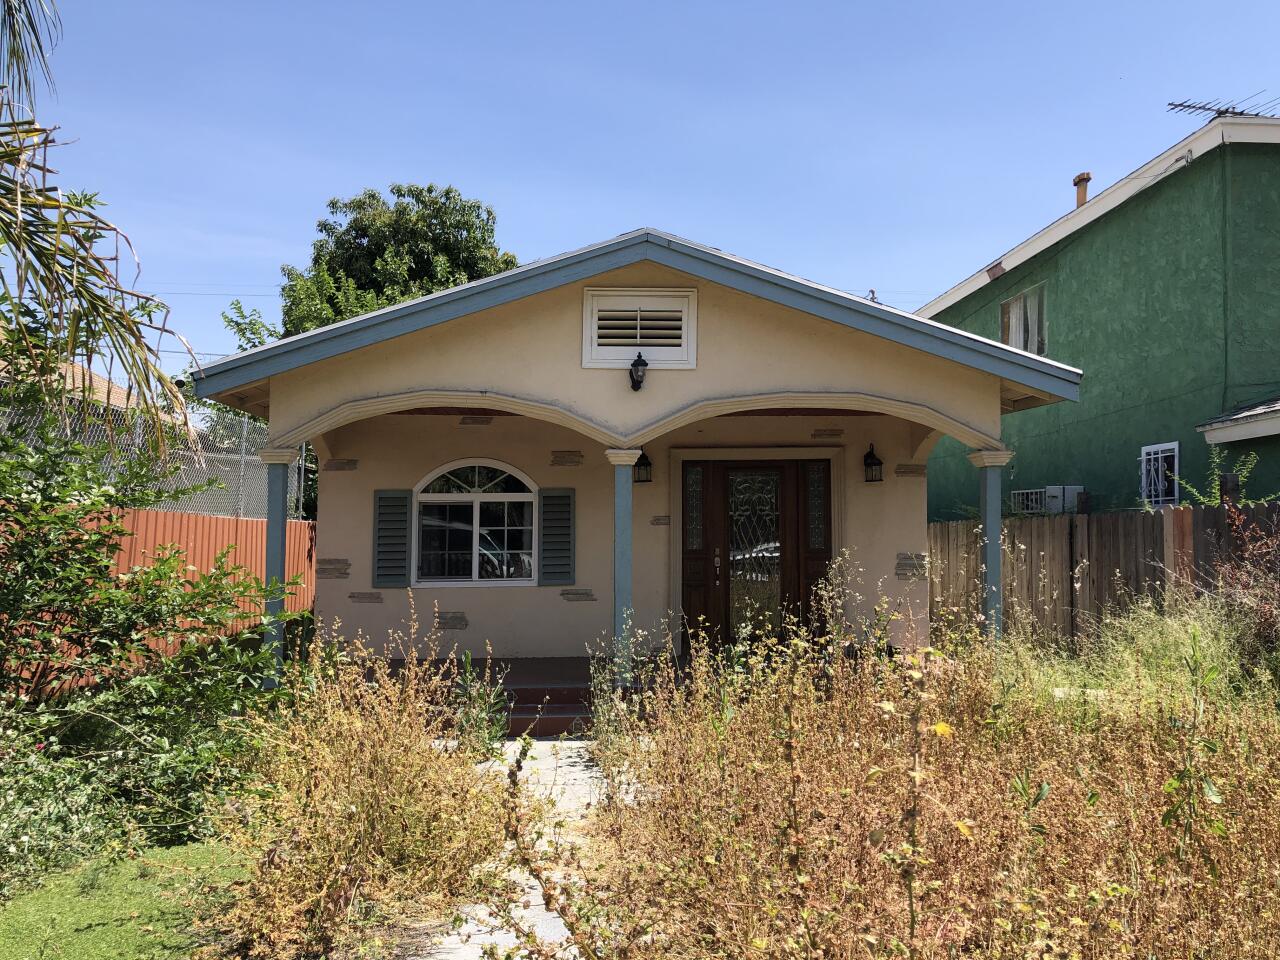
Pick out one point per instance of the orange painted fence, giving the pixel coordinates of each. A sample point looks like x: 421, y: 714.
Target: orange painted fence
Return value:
x: 203, y: 537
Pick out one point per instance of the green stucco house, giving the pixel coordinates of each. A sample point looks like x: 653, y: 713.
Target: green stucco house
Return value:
x: 1165, y: 287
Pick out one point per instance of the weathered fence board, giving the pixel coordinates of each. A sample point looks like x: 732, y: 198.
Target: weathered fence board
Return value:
x: 1064, y: 571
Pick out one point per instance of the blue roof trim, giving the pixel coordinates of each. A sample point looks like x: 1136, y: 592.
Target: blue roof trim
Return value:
x: 706, y: 263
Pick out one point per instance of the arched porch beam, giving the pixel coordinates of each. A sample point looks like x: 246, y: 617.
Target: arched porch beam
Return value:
x: 354, y: 410
x: 904, y: 409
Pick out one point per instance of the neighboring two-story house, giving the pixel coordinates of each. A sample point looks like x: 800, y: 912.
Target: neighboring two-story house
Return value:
x: 1166, y: 288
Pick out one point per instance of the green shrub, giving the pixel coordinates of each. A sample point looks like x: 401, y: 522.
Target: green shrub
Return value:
x: 139, y: 761
x: 110, y: 741
x: 66, y: 618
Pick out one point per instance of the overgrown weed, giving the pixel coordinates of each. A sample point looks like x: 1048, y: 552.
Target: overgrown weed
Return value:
x: 807, y: 794
x: 371, y: 802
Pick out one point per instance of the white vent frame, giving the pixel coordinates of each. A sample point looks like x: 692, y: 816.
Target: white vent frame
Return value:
x: 683, y: 357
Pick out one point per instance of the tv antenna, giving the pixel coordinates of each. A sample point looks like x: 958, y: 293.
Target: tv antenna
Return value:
x: 1250, y: 106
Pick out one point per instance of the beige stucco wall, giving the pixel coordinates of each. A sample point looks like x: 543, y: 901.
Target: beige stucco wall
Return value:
x: 531, y: 350
x: 527, y: 357
x: 874, y: 521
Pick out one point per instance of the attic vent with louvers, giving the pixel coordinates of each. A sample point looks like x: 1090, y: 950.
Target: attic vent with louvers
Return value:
x: 661, y: 324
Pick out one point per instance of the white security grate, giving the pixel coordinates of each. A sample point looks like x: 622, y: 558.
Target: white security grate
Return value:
x: 1027, y: 501
x: 1158, y: 474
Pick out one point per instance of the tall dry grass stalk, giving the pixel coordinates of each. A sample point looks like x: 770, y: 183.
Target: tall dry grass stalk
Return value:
x: 365, y: 806
x: 799, y: 797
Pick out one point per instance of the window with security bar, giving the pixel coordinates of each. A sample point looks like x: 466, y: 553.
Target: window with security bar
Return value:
x: 658, y: 324
x: 1028, y: 501
x: 1158, y: 474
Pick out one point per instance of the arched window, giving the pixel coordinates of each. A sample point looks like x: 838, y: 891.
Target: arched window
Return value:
x: 475, y: 524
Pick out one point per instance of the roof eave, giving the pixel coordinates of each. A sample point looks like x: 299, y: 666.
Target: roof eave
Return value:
x: 1035, y: 373
x: 1213, y: 134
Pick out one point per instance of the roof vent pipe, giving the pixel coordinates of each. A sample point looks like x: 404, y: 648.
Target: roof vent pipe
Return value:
x: 1081, y: 183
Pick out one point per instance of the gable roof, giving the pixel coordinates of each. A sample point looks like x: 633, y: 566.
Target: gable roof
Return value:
x: 1037, y: 374
x: 1215, y: 133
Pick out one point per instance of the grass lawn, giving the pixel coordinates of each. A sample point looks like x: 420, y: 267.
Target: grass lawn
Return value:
x: 139, y: 909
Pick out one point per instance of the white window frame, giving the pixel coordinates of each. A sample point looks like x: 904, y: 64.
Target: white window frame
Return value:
x: 1159, y: 450
x: 684, y: 357
x: 1042, y: 322
x: 475, y: 499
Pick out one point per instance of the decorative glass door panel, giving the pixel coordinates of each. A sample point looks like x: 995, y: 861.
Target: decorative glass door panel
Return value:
x: 755, y: 548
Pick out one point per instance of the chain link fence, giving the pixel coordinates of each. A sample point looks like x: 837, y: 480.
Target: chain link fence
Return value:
x: 221, y: 457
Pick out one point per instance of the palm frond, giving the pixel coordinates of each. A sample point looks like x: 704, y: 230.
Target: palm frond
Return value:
x: 61, y: 294
x: 28, y: 31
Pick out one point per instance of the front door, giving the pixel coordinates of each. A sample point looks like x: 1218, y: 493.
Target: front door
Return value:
x: 756, y: 539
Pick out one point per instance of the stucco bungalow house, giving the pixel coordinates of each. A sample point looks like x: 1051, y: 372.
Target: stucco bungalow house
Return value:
x: 642, y: 429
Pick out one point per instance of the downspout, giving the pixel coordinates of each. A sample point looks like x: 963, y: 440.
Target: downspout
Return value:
x: 1225, y: 167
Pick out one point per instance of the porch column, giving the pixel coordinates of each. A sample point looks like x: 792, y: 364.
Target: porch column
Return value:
x: 623, y: 461
x: 989, y: 464
x: 278, y: 461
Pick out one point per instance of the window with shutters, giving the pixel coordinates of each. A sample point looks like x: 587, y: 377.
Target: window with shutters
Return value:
x: 475, y: 524
x: 659, y: 324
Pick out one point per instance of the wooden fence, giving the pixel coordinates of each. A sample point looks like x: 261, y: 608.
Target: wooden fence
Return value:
x: 203, y: 537
x: 1063, y: 571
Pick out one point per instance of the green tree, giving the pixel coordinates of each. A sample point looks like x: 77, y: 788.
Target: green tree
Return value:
x: 375, y: 253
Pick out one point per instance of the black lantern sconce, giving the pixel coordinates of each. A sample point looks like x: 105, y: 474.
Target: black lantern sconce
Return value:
x: 873, y: 465
x: 642, y: 472
x: 637, y: 371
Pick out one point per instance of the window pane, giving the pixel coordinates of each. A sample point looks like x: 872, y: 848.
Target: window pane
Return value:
x: 491, y: 514
x: 520, y: 566
x: 693, y: 508
x: 490, y: 566
x: 817, y: 495
x: 520, y: 514
x: 506, y: 483
x: 486, y: 476
x: 448, y: 483
x: 520, y: 538
x: 433, y: 527
x: 492, y: 540
x: 444, y: 541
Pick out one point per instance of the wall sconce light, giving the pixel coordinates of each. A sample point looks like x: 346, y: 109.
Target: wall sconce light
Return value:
x: 873, y: 465
x: 637, y: 371
x: 642, y: 472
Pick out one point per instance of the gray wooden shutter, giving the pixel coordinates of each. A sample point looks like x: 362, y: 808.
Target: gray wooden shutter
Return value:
x: 391, y: 518
x: 555, y: 536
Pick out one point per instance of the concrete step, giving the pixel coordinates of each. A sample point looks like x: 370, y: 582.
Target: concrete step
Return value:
x: 550, y: 720
x: 532, y: 694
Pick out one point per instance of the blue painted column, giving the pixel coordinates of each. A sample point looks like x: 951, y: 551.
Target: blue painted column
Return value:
x: 623, y: 461
x: 278, y: 462
x: 989, y: 464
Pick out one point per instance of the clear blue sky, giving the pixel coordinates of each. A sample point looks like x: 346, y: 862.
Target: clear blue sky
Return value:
x: 899, y: 146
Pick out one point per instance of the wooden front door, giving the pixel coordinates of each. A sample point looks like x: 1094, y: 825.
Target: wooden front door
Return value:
x: 756, y: 538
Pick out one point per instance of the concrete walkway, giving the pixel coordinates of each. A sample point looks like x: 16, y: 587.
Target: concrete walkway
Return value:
x: 562, y: 771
